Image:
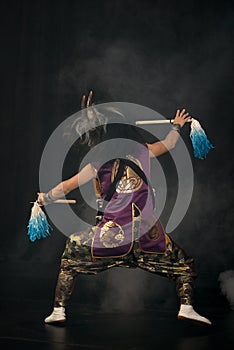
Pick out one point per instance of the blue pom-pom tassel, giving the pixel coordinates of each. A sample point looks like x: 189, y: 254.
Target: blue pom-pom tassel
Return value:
x: 38, y: 226
x: 200, y: 142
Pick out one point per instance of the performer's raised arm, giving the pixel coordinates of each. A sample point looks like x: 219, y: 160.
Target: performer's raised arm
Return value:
x: 64, y: 187
x: 160, y: 147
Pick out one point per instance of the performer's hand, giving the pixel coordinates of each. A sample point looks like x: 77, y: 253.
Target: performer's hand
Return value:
x: 88, y: 103
x: 182, y: 117
x: 40, y: 199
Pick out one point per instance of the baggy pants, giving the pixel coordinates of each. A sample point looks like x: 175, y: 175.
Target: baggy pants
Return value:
x: 77, y: 259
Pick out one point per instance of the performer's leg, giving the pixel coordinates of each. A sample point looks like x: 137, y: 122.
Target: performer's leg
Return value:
x: 65, y: 284
x: 76, y: 259
x: 64, y: 288
x: 176, y: 265
x: 183, y: 273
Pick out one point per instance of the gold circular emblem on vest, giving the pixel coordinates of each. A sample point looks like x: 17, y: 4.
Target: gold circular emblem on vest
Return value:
x: 111, y: 235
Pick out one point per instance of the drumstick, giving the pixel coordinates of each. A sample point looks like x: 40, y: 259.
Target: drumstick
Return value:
x: 63, y: 201
x: 150, y: 122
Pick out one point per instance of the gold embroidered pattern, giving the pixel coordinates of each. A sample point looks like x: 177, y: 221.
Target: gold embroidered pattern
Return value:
x: 114, y: 170
x: 154, y: 233
x: 111, y: 235
x: 97, y: 186
x: 130, y: 181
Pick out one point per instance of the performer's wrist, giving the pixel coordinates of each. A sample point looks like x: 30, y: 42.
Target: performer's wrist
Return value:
x: 47, y: 198
x: 176, y: 127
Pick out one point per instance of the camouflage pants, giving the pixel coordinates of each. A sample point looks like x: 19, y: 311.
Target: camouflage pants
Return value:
x: 77, y: 259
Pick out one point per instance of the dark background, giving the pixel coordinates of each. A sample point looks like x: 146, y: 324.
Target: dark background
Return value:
x: 161, y: 54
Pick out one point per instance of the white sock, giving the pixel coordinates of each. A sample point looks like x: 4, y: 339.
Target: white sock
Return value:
x: 187, y: 311
x: 186, y: 308
x: 57, y: 315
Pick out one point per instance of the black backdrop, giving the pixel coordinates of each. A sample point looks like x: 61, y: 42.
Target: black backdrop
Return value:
x: 161, y: 54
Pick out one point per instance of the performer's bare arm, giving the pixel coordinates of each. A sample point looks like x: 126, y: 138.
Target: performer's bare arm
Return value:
x: 63, y: 188
x: 161, y: 147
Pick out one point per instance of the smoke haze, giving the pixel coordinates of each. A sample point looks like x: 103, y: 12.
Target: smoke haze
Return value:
x: 226, y: 280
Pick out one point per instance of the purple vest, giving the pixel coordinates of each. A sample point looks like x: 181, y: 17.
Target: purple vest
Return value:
x: 129, y: 216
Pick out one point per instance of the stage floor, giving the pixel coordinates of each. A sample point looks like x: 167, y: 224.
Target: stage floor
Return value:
x: 25, y: 303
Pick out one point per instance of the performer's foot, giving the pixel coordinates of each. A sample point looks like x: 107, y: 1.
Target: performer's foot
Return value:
x: 187, y: 312
x: 58, y: 316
